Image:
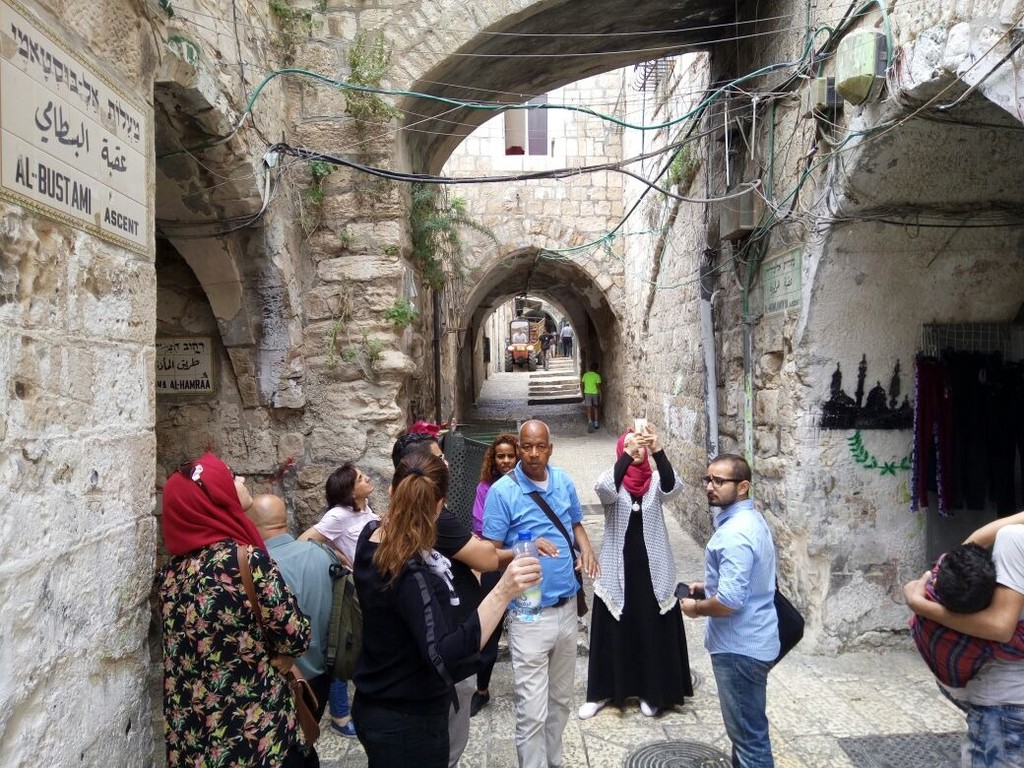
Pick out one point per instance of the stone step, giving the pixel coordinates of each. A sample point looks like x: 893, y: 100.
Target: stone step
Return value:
x: 554, y: 392
x: 554, y: 400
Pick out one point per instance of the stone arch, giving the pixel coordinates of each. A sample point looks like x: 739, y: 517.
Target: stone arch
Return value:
x: 517, y: 39
x: 207, y: 202
x: 588, y: 302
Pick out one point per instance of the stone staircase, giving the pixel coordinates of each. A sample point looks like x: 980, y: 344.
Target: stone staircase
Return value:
x: 559, y: 384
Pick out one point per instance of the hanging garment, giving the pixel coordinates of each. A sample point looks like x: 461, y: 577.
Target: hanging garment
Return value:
x: 931, y: 460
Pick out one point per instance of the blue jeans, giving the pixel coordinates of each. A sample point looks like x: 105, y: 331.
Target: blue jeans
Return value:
x: 339, y: 698
x: 995, y: 737
x: 742, y: 694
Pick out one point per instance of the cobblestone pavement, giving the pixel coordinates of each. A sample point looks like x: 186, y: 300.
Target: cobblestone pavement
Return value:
x: 881, y: 707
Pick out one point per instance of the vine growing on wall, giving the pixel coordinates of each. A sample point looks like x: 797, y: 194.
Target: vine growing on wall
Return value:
x: 684, y: 167
x: 312, y: 208
x: 342, y: 314
x: 294, y: 24
x: 369, y: 60
x: 866, y: 459
x: 437, y: 247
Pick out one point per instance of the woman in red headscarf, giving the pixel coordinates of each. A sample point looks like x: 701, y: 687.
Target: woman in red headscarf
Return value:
x: 637, y: 643
x: 225, y: 699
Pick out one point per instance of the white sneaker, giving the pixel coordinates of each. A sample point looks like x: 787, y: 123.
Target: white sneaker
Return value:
x: 591, y: 708
x: 647, y: 709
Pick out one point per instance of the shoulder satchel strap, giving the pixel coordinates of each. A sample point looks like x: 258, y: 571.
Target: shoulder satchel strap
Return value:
x: 432, y: 652
x: 302, y: 692
x: 535, y: 495
x: 244, y: 550
x: 546, y: 509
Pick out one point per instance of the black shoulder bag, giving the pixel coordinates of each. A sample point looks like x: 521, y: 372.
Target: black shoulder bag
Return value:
x: 791, y: 624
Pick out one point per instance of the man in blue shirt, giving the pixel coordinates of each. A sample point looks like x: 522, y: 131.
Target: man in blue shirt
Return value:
x: 737, y: 596
x: 543, y: 651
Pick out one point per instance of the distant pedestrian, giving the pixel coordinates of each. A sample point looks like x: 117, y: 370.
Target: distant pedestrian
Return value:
x: 637, y: 641
x: 738, y: 597
x: 591, y: 382
x: 567, y: 336
x: 547, y: 347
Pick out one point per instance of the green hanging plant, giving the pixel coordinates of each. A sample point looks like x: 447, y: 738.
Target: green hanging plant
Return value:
x: 436, y: 221
x: 369, y: 60
x: 294, y: 24
x: 402, y: 313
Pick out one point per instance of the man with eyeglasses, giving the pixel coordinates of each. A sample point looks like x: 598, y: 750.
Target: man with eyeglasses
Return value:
x: 737, y: 597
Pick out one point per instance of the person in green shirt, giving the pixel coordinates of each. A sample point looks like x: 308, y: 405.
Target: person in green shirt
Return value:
x: 592, y: 396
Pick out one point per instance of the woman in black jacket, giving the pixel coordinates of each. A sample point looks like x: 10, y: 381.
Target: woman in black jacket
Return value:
x: 412, y: 652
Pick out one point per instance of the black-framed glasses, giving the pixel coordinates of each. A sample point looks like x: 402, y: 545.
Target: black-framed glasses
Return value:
x: 718, y: 482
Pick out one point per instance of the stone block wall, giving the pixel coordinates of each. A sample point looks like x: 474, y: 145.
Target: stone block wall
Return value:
x: 76, y: 455
x: 846, y: 537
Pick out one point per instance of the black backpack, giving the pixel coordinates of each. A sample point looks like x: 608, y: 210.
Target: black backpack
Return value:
x: 345, y: 630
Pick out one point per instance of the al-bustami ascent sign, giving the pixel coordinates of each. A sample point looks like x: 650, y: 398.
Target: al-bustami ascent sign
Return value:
x: 74, y: 147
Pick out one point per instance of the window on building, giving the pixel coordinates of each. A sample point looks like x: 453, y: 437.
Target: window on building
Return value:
x: 526, y: 130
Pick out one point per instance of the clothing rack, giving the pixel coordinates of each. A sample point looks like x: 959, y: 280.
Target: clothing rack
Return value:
x: 1005, y: 338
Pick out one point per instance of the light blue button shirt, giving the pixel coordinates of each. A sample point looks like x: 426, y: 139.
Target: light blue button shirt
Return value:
x: 739, y: 563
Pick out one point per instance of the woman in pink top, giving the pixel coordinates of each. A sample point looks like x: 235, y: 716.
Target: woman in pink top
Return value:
x: 348, y: 511
x: 500, y: 459
x: 347, y: 490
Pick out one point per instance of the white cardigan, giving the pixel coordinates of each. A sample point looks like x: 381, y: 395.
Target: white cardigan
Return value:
x: 610, y: 585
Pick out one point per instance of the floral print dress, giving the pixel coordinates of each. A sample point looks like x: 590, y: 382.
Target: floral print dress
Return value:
x: 224, y: 704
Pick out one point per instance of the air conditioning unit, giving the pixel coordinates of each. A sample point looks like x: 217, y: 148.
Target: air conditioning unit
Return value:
x: 861, y: 59
x: 739, y: 215
x: 821, y: 97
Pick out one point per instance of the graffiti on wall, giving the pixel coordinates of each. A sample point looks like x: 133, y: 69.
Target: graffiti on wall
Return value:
x: 879, y: 408
x: 868, y: 460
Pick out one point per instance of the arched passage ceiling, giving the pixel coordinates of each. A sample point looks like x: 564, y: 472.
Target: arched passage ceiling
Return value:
x: 561, y: 282
x: 961, y: 161
x: 544, y: 47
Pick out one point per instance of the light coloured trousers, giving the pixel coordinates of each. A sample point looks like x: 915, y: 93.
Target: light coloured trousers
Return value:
x: 458, y: 722
x: 543, y: 667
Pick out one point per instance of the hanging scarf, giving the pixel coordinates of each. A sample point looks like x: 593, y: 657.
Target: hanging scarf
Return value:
x: 441, y: 567
x: 201, y: 506
x: 638, y: 476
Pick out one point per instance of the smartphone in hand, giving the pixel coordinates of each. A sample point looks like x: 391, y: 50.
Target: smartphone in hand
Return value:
x: 683, y: 590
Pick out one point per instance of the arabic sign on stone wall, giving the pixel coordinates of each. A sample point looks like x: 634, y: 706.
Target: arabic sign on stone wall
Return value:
x: 72, y: 145
x: 184, y: 366
x: 781, y: 282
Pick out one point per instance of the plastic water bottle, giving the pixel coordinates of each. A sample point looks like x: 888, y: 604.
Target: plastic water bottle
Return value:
x: 527, y: 605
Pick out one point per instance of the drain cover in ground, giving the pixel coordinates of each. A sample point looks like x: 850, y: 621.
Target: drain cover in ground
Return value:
x: 903, y: 750
x: 677, y: 754
x: 695, y: 679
